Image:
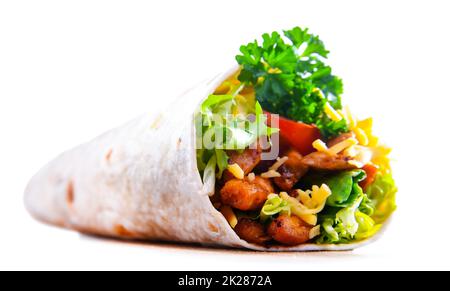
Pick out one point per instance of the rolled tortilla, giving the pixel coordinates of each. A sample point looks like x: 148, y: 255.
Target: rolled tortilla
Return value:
x: 140, y: 181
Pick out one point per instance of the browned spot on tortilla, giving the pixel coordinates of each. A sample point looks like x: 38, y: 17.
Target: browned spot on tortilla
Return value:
x: 179, y: 143
x: 120, y: 230
x: 212, y: 227
x: 108, y: 155
x: 70, y: 193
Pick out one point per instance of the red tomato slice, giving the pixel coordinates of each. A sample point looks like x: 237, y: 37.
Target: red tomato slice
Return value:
x: 371, y: 172
x: 299, y: 135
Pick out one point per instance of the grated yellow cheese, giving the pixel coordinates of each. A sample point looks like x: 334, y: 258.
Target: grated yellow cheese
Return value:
x: 310, y: 219
x: 365, y: 124
x: 351, y: 120
x: 308, y: 203
x: 251, y: 177
x: 315, y: 231
x: 236, y: 171
x: 229, y: 215
x: 337, y: 148
x: 356, y: 163
x: 320, y: 146
x: 270, y: 174
x: 278, y: 163
x: 361, y: 136
x: 332, y: 113
x: 370, y: 149
x: 342, y: 114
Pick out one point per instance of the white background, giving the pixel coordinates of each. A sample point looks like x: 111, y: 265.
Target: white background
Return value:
x: 69, y: 70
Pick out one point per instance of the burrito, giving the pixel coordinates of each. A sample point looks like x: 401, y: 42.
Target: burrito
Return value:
x: 263, y: 156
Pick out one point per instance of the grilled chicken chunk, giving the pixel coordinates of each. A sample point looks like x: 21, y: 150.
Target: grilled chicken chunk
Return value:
x: 291, y: 171
x: 245, y: 194
x: 324, y: 161
x: 251, y: 231
x: 247, y: 161
x: 289, y: 230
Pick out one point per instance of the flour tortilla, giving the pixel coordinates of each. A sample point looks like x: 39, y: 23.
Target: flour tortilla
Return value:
x: 140, y: 181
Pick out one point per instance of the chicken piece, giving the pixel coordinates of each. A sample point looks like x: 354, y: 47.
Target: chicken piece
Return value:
x: 245, y: 194
x: 324, y: 161
x: 291, y: 171
x: 340, y: 138
x: 251, y: 231
x: 289, y: 230
x: 247, y: 161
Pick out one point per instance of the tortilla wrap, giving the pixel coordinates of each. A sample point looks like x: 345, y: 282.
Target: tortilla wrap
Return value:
x: 140, y: 181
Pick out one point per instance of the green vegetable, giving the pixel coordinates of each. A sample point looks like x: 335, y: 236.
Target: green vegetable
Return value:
x: 367, y: 226
x: 274, y: 205
x: 347, y: 216
x: 346, y: 225
x: 220, y: 128
x: 366, y: 206
x: 291, y: 78
x: 344, y: 187
x: 382, y: 194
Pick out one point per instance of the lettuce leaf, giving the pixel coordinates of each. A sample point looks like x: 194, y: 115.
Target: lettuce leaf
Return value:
x: 221, y: 127
x: 366, y: 226
x: 364, y: 217
x: 382, y: 194
x: 344, y: 186
x: 274, y: 205
x: 343, y: 227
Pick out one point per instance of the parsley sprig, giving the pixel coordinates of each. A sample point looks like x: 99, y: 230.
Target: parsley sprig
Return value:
x: 291, y: 78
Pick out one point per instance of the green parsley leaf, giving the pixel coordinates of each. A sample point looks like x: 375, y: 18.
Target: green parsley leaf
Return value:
x: 291, y: 78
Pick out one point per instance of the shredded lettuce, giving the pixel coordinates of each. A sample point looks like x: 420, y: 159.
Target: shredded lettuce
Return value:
x: 274, y: 205
x: 344, y: 188
x: 366, y: 226
x: 306, y: 205
x: 343, y: 185
x: 382, y: 194
x: 223, y: 124
x: 364, y: 217
x: 343, y: 227
x: 347, y: 217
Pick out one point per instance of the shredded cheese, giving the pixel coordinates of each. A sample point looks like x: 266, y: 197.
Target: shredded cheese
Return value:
x: 365, y: 124
x: 337, y: 148
x: 236, y: 171
x: 342, y: 114
x: 274, y: 71
x: 370, y: 149
x: 310, y: 219
x: 362, y: 129
x: 308, y: 203
x: 350, y: 151
x: 360, y: 155
x: 320, y: 146
x: 270, y: 174
x: 315, y: 231
x: 229, y: 215
x: 361, y: 136
x: 351, y: 120
x: 278, y: 163
x: 356, y: 164
x: 332, y: 113
x: 251, y: 177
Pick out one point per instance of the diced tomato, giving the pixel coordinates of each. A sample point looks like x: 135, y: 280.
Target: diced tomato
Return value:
x: 371, y: 172
x: 299, y: 135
